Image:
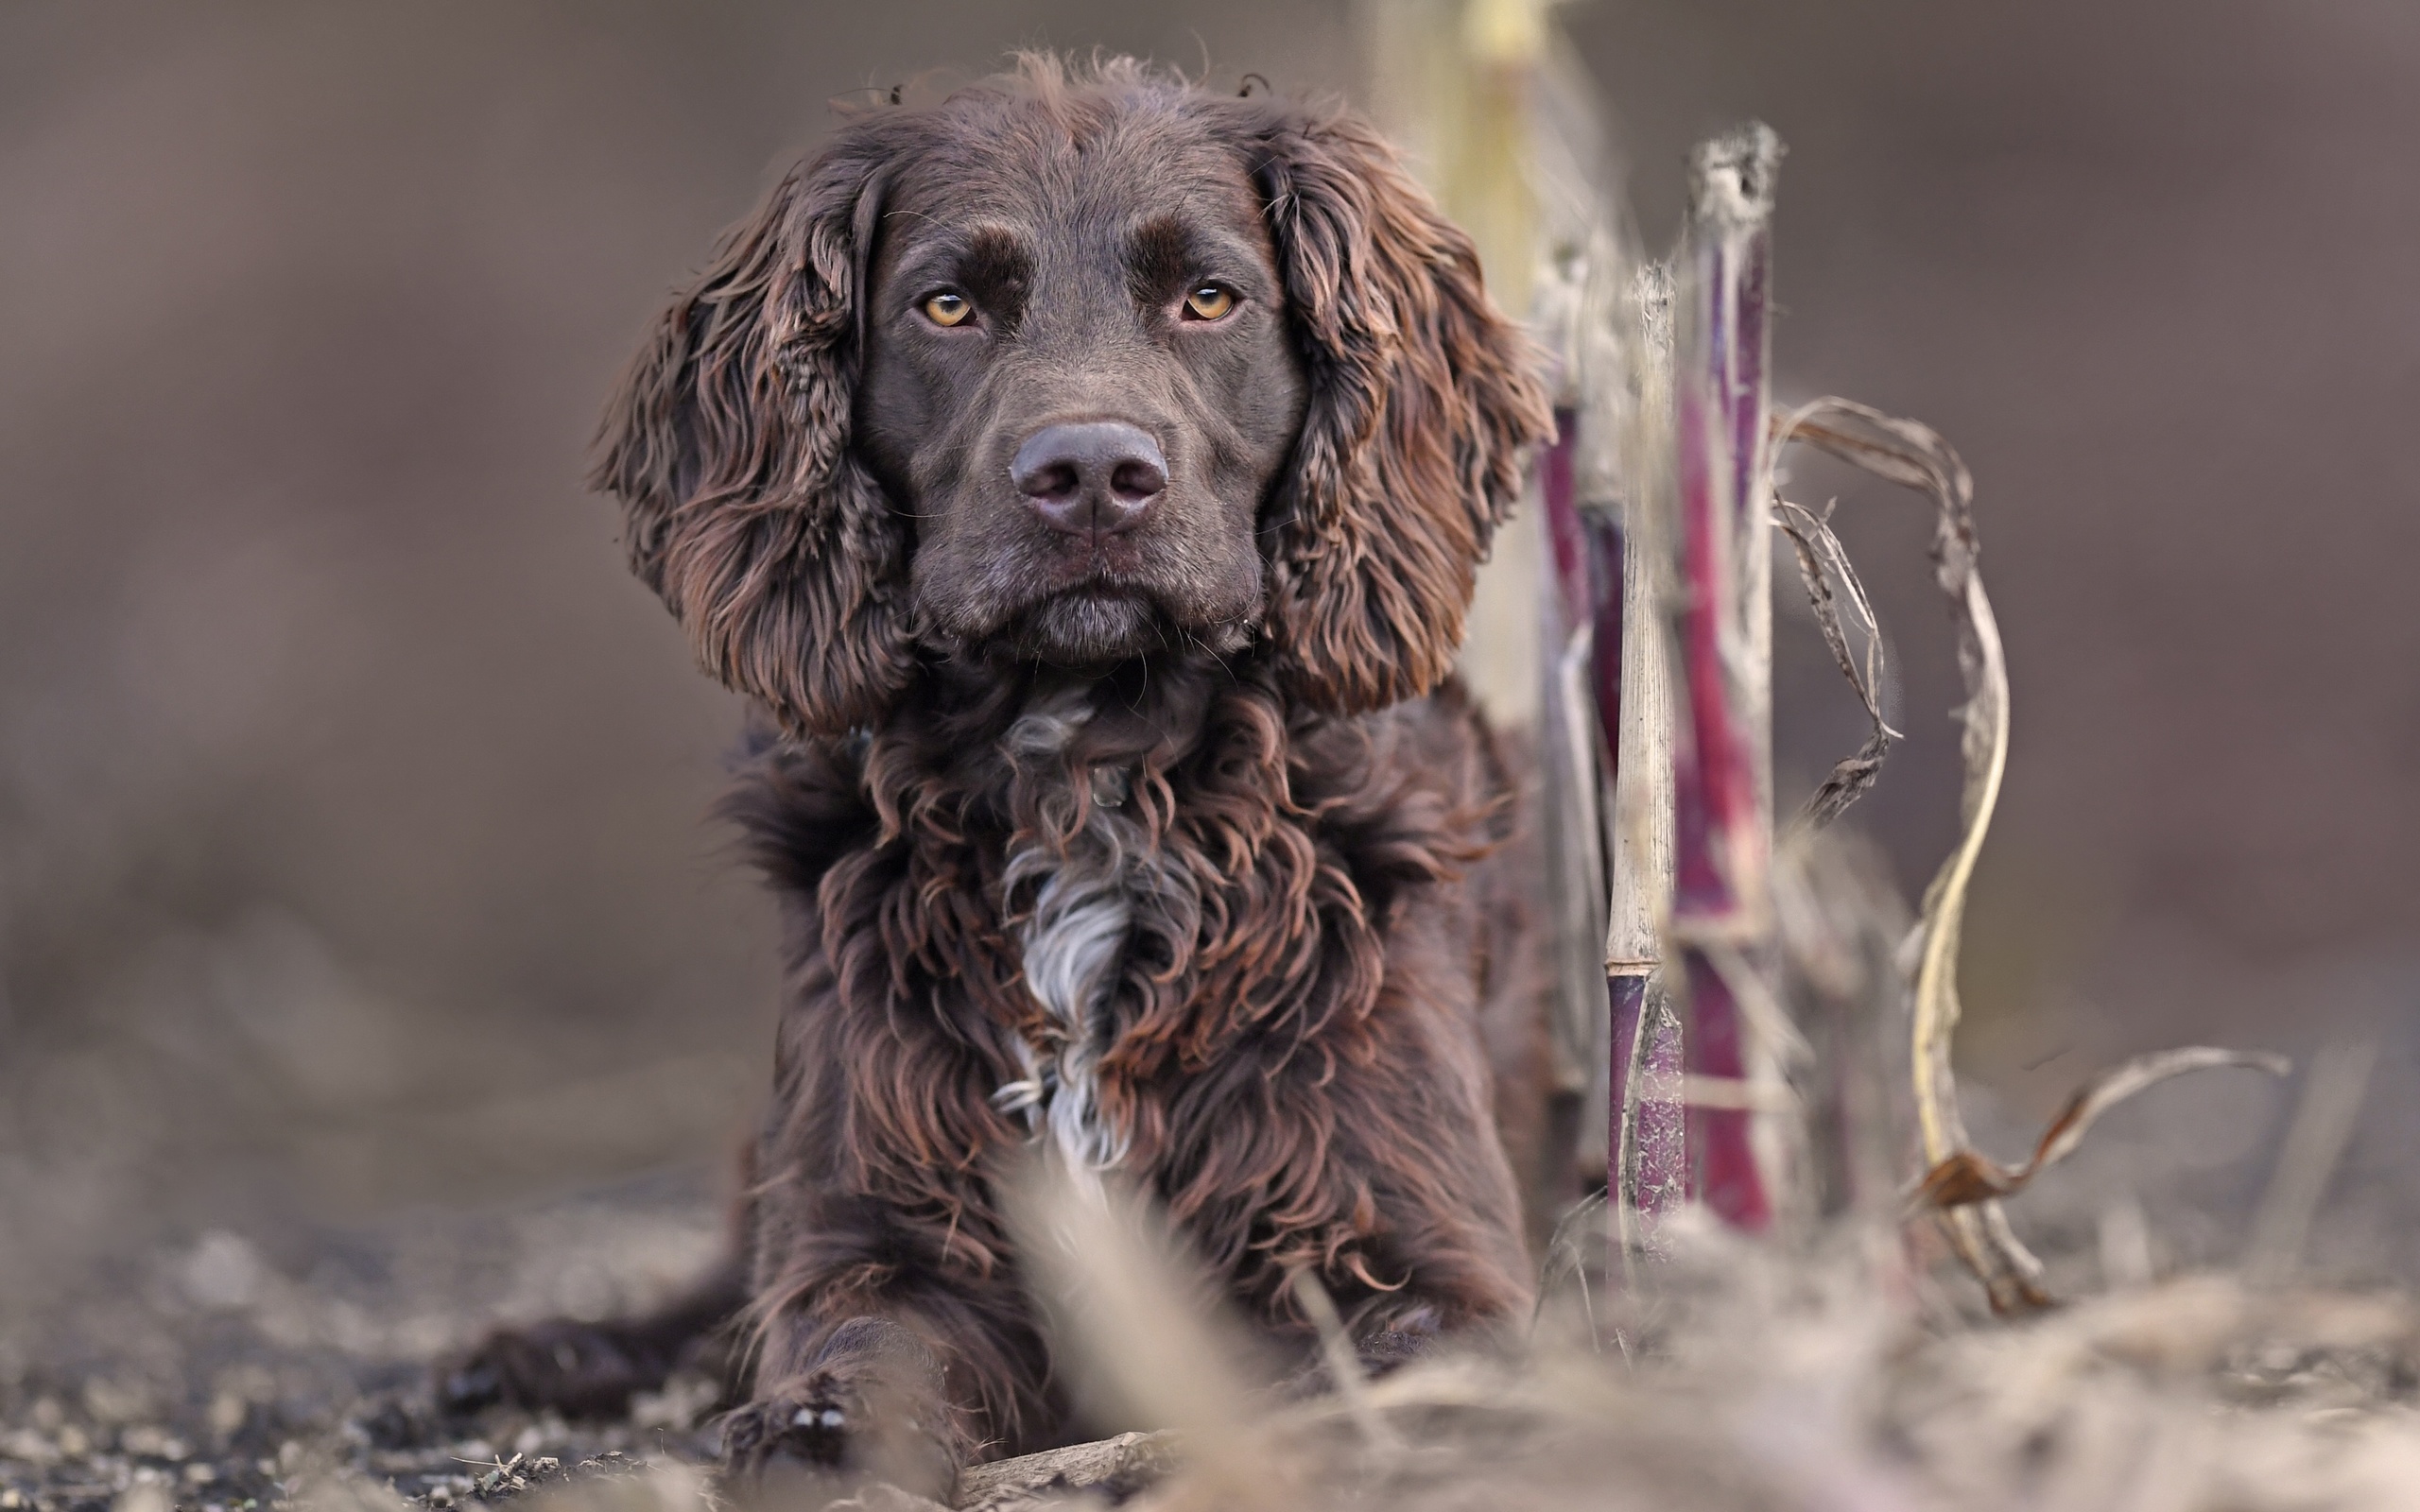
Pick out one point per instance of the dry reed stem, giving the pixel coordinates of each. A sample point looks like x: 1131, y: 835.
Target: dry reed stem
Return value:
x: 1126, y: 1460
x: 1343, y: 1371
x: 1721, y: 457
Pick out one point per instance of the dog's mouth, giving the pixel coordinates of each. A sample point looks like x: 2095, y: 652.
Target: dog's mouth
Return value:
x: 1037, y: 599
x: 1092, y: 623
x: 1100, y: 621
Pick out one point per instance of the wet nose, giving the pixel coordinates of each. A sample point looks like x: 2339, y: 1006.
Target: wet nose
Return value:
x: 1092, y: 478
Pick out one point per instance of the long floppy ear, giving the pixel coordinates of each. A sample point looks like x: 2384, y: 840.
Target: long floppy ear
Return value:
x: 1423, y: 400
x: 728, y: 445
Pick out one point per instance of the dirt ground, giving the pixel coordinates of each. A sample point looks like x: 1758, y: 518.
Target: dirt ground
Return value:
x: 228, y: 1374
x: 220, y: 1372
x: 1845, y: 1366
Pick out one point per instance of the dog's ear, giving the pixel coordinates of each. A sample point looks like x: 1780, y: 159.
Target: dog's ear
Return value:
x: 1423, y: 400
x: 728, y: 446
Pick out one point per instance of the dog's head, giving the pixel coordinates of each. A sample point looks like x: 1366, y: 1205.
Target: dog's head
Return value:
x: 1078, y: 372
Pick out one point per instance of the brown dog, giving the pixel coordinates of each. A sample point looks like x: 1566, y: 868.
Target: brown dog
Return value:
x: 1087, y: 477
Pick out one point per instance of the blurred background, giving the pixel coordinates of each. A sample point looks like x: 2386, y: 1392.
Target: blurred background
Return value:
x: 355, y: 847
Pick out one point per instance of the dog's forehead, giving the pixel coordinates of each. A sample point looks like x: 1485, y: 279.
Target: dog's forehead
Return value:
x: 1069, y: 177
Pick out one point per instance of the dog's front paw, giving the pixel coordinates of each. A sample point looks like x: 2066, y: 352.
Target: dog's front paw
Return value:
x: 871, y: 1411
x: 809, y: 1426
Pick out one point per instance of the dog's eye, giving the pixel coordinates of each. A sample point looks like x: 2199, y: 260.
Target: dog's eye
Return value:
x: 1208, y: 302
x: 947, y: 309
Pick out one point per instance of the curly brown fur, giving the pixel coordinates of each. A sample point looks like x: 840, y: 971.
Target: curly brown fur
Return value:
x: 1160, y: 840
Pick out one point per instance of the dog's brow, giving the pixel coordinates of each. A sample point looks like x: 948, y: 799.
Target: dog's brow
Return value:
x: 1160, y: 251
x: 983, y: 256
x: 996, y: 256
x: 1165, y: 250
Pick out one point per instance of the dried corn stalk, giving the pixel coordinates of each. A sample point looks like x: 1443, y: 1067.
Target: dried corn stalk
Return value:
x: 1647, y: 1144
x: 1656, y: 499
x: 1724, y: 750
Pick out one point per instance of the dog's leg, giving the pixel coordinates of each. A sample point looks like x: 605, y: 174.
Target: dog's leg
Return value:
x: 590, y: 1370
x: 1398, y: 1194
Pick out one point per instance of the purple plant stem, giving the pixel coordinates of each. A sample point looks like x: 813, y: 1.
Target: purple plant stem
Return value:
x: 1661, y: 1132
x: 1648, y: 1135
x: 1588, y: 550
x: 1731, y: 1181
x: 1713, y: 785
x: 1719, y: 838
x: 1626, y: 988
x: 1713, y: 793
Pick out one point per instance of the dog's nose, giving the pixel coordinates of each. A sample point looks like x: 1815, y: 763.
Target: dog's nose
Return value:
x: 1092, y: 478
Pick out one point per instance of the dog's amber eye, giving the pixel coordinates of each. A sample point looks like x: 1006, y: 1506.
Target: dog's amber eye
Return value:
x: 1208, y: 302
x: 947, y: 309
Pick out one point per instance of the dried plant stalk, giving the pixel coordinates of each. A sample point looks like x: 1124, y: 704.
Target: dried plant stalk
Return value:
x: 1913, y: 455
x: 1722, y: 775
x: 1638, y: 700
x: 1719, y: 464
x: 1573, y: 257
x: 1605, y: 740
x: 1648, y: 1152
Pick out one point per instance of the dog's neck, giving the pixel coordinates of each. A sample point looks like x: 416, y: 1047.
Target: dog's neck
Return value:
x: 1084, y: 881
x: 1024, y: 734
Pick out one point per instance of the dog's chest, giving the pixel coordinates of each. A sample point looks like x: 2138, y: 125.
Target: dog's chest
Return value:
x: 1082, y: 905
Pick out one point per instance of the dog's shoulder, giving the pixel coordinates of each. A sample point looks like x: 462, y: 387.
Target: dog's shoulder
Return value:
x: 1447, y: 732
x: 1438, y: 746
x: 1407, y: 796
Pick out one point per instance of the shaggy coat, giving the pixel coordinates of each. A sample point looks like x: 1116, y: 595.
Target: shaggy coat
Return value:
x: 1160, y: 839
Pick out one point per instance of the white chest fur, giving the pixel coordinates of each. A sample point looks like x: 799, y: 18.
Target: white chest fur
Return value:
x: 1073, y: 944
x: 1084, y: 904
